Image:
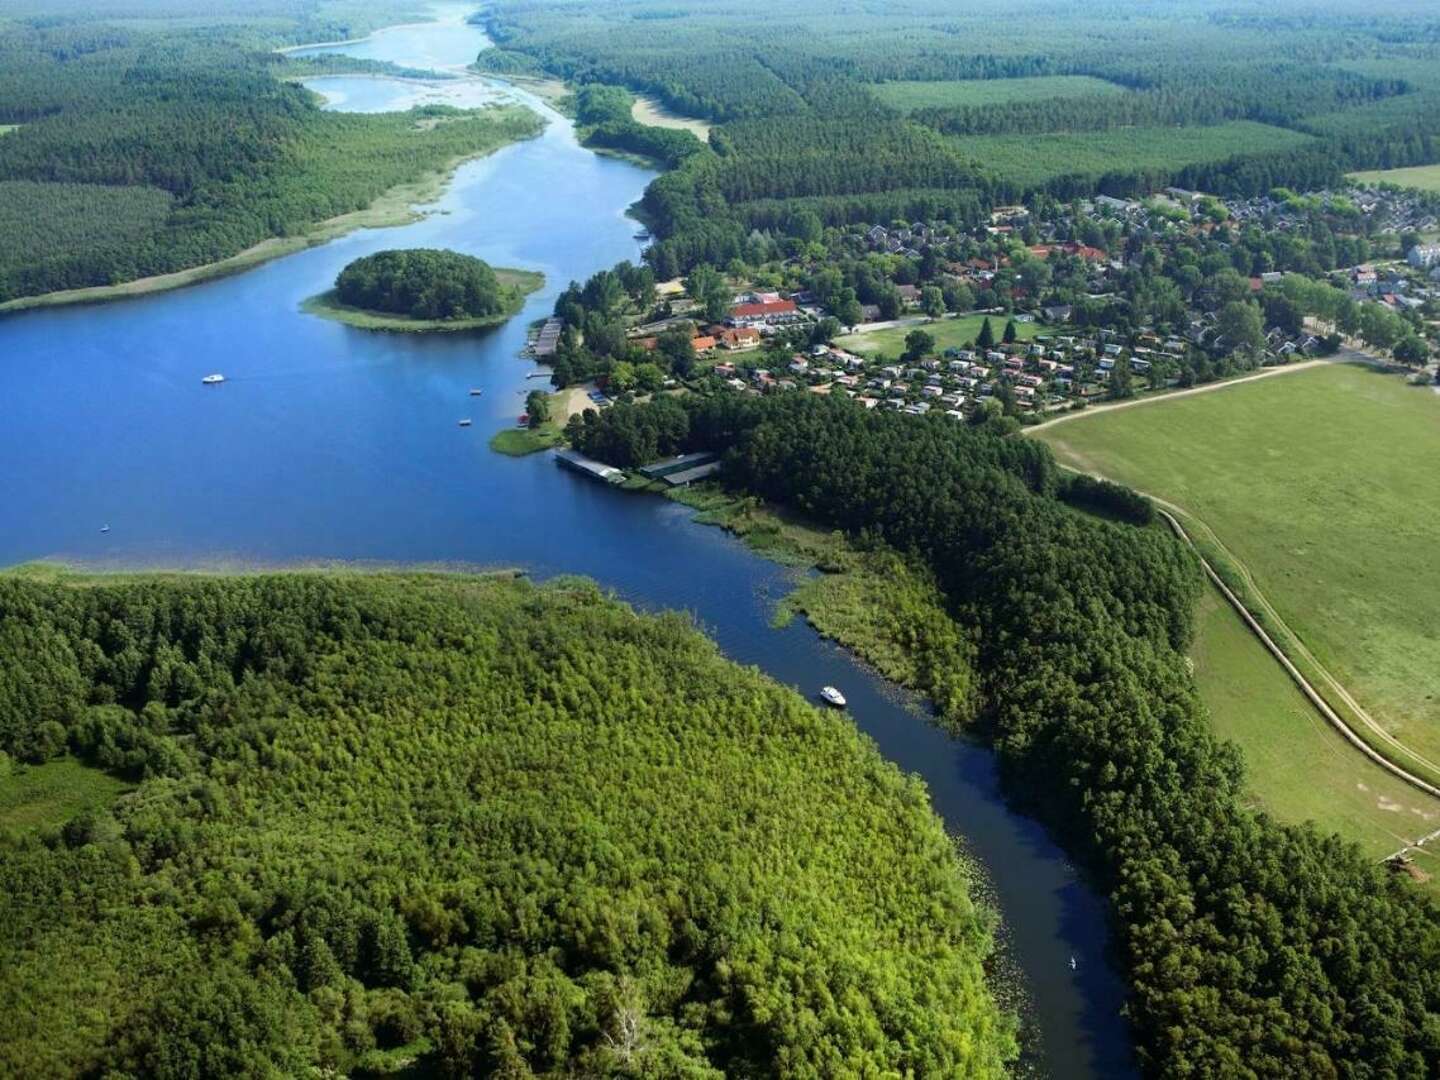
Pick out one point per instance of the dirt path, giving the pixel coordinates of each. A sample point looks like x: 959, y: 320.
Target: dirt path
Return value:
x: 1264, y: 373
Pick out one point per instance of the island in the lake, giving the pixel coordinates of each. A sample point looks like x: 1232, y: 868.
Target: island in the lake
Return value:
x: 424, y: 290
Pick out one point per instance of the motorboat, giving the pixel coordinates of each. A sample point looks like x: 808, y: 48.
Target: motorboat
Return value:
x: 832, y: 696
x: 104, y: 528
x: 213, y: 380
x: 475, y: 392
x: 464, y: 423
x: 1072, y: 963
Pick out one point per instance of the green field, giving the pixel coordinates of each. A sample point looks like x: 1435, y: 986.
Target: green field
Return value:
x: 1323, y: 484
x: 5, y: 129
x: 34, y: 796
x: 948, y: 333
x: 1424, y: 177
x: 1034, y: 159
x: 1298, y: 767
x: 909, y: 96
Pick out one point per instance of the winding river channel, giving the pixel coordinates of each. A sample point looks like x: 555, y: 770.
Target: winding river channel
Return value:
x: 329, y: 443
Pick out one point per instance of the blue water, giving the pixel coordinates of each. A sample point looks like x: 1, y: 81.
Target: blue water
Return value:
x: 331, y: 443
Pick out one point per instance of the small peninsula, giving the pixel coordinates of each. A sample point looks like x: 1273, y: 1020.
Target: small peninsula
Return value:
x: 424, y: 290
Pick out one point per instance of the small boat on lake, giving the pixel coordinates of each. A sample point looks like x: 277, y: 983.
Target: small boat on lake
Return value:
x: 1072, y: 963
x: 464, y: 423
x: 213, y: 380
x: 831, y: 696
x: 104, y: 528
x: 475, y: 393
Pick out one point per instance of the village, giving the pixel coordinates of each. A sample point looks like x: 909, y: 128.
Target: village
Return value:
x: 1042, y: 308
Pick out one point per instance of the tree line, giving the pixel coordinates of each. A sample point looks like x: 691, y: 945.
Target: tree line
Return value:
x: 1251, y: 947
x: 462, y: 825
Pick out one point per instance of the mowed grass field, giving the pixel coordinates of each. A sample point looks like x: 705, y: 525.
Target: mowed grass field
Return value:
x: 1323, y: 483
x: 908, y: 96
x: 1298, y: 768
x: 948, y: 334
x: 1034, y: 159
x: 1424, y: 177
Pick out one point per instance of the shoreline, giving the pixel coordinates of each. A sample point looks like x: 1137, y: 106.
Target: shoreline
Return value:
x: 382, y: 213
x: 428, y: 187
x: 283, y: 49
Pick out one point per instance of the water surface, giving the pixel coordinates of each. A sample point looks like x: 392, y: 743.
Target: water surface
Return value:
x: 333, y: 443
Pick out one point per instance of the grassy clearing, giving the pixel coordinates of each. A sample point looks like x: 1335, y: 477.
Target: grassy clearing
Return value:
x: 1423, y: 177
x: 908, y: 96
x: 1322, y: 484
x: 37, y: 796
x: 1035, y: 159
x: 327, y: 306
x: 518, y: 441
x: 948, y: 334
x: 648, y: 110
x: 1298, y: 768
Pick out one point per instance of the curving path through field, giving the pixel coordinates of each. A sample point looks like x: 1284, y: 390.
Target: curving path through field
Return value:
x: 1152, y: 399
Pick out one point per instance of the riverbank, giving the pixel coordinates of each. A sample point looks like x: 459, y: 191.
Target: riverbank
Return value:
x: 393, y: 207
x: 521, y: 284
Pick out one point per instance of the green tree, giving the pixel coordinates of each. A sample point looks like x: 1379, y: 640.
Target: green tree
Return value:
x: 986, y: 337
x: 1011, y: 332
x: 707, y: 287
x: 1240, y: 325
x: 932, y: 301
x: 537, y: 408
x: 918, y: 343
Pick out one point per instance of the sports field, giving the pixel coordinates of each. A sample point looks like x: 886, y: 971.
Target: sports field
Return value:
x: 948, y: 334
x: 1323, y: 484
x: 1424, y: 177
x: 1297, y: 767
x: 908, y: 96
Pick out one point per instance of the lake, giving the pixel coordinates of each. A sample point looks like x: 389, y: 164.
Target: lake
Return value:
x: 328, y: 443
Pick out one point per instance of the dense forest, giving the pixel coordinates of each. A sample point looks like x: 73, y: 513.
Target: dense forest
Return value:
x: 604, y: 121
x: 1232, y: 102
x: 423, y: 283
x: 1252, y: 948
x: 146, y: 147
x: 469, y: 823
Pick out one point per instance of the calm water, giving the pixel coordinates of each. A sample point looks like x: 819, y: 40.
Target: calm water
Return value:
x: 330, y: 443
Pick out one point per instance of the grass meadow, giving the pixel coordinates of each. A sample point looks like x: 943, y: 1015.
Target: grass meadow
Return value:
x: 948, y: 333
x: 908, y: 96
x: 1035, y: 159
x: 1424, y: 177
x: 1323, y: 483
x: 1298, y: 768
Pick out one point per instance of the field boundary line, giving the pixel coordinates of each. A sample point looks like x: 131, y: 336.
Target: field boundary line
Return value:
x: 1171, y: 395
x: 1306, y: 687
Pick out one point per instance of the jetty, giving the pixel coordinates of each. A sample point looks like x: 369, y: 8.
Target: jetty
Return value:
x: 587, y: 466
x: 547, y: 339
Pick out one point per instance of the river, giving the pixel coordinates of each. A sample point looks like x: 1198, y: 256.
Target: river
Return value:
x: 329, y: 443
